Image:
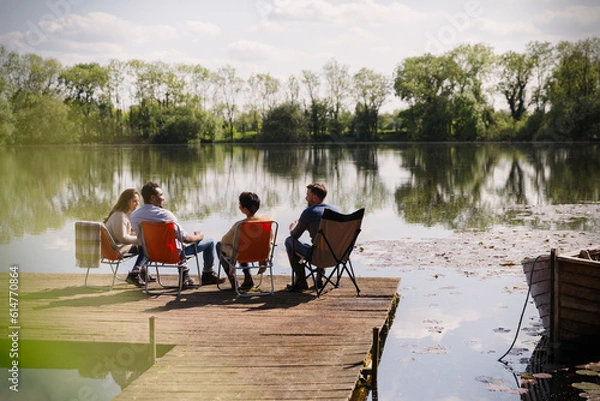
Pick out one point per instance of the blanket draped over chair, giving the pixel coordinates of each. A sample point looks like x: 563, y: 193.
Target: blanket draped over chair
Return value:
x: 87, y: 244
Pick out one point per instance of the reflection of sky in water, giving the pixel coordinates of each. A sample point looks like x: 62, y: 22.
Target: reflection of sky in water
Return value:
x: 54, y: 250
x: 448, y: 334
x: 41, y: 384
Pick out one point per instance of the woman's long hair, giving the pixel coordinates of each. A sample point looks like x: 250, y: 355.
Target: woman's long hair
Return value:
x: 122, y: 204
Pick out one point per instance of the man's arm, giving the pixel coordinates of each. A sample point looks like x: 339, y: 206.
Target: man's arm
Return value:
x: 194, y: 237
x: 297, y: 228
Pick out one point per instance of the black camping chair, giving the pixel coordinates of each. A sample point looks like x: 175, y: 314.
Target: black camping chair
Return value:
x: 332, y: 247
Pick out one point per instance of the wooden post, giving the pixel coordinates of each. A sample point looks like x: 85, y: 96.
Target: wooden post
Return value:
x: 554, y: 318
x: 374, y: 363
x: 152, y: 340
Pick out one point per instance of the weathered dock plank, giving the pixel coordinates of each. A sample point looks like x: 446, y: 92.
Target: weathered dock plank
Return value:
x: 289, y: 346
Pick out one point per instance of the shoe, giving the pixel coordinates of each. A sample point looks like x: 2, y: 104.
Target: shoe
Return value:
x: 299, y: 286
x: 151, y: 278
x: 135, y: 279
x: 246, y: 285
x: 187, y: 280
x: 211, y: 278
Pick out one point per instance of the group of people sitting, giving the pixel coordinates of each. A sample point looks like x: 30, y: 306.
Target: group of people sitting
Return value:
x: 126, y: 215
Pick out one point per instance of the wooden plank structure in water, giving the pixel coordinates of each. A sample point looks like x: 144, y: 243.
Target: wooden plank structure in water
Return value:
x: 289, y: 346
x: 566, y: 292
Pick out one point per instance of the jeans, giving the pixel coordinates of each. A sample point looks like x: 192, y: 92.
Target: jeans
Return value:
x: 293, y: 248
x: 205, y: 247
x: 222, y: 261
x: 141, y: 257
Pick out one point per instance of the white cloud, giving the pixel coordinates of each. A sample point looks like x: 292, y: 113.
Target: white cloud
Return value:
x: 102, y: 27
x: 437, y: 324
x: 71, y: 46
x: 575, y: 15
x: 500, y: 28
x: 246, y: 50
x: 357, y: 34
x: 75, y: 36
x: 274, y: 13
x: 202, y: 28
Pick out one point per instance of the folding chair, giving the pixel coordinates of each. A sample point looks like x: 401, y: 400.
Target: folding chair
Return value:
x: 94, y: 245
x: 332, y: 247
x: 253, y: 248
x: 164, y: 250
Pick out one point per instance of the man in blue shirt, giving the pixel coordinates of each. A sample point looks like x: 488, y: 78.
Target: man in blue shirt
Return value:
x: 153, y: 211
x: 309, y: 221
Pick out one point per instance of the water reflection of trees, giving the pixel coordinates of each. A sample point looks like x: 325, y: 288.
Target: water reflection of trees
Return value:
x: 457, y: 186
x: 466, y: 186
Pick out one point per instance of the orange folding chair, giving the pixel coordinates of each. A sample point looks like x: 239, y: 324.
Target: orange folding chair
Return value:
x: 164, y: 250
x: 253, y: 248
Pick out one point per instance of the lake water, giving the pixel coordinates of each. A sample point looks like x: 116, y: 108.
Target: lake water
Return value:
x: 450, y: 328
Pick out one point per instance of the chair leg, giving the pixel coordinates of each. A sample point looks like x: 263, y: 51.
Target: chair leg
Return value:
x: 269, y: 268
x: 115, y: 268
x: 350, y: 272
x: 339, y: 272
x: 169, y: 290
x: 87, y: 274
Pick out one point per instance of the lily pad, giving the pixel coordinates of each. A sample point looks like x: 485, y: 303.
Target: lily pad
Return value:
x: 586, y: 386
x: 587, y: 373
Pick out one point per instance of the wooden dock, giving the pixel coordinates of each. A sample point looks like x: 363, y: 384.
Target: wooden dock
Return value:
x: 289, y: 346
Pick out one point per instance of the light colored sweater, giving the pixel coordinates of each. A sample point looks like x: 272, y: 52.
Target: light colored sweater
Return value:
x: 119, y: 226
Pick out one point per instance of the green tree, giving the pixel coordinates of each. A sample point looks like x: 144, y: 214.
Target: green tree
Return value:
x: 285, y: 123
x: 7, y: 126
x: 264, y: 93
x: 427, y: 84
x: 339, y: 84
x: 515, y: 73
x: 317, y: 108
x: 32, y: 111
x: 228, y: 87
x: 44, y: 121
x: 370, y: 91
x: 180, y: 125
x: 574, y: 91
x: 541, y: 56
x: 293, y: 90
x: 470, y: 107
x: 86, y: 89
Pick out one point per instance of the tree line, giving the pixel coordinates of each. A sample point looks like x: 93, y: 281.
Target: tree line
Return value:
x: 549, y: 92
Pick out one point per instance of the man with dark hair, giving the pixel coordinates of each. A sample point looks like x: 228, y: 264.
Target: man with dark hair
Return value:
x: 309, y: 221
x: 249, y: 205
x: 152, y: 210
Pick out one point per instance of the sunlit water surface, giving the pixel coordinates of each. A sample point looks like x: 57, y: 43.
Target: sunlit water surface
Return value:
x: 450, y: 328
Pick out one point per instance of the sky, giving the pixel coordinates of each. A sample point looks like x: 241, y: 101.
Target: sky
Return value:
x: 284, y: 37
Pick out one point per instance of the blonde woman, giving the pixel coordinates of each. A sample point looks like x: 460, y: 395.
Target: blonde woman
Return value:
x: 118, y: 224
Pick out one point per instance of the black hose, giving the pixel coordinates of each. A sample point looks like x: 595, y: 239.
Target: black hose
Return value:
x: 522, y: 312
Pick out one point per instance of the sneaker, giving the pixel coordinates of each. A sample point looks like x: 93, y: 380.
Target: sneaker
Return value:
x: 298, y: 286
x: 246, y: 285
x: 211, y: 278
x: 151, y: 278
x: 135, y: 279
x: 187, y: 280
